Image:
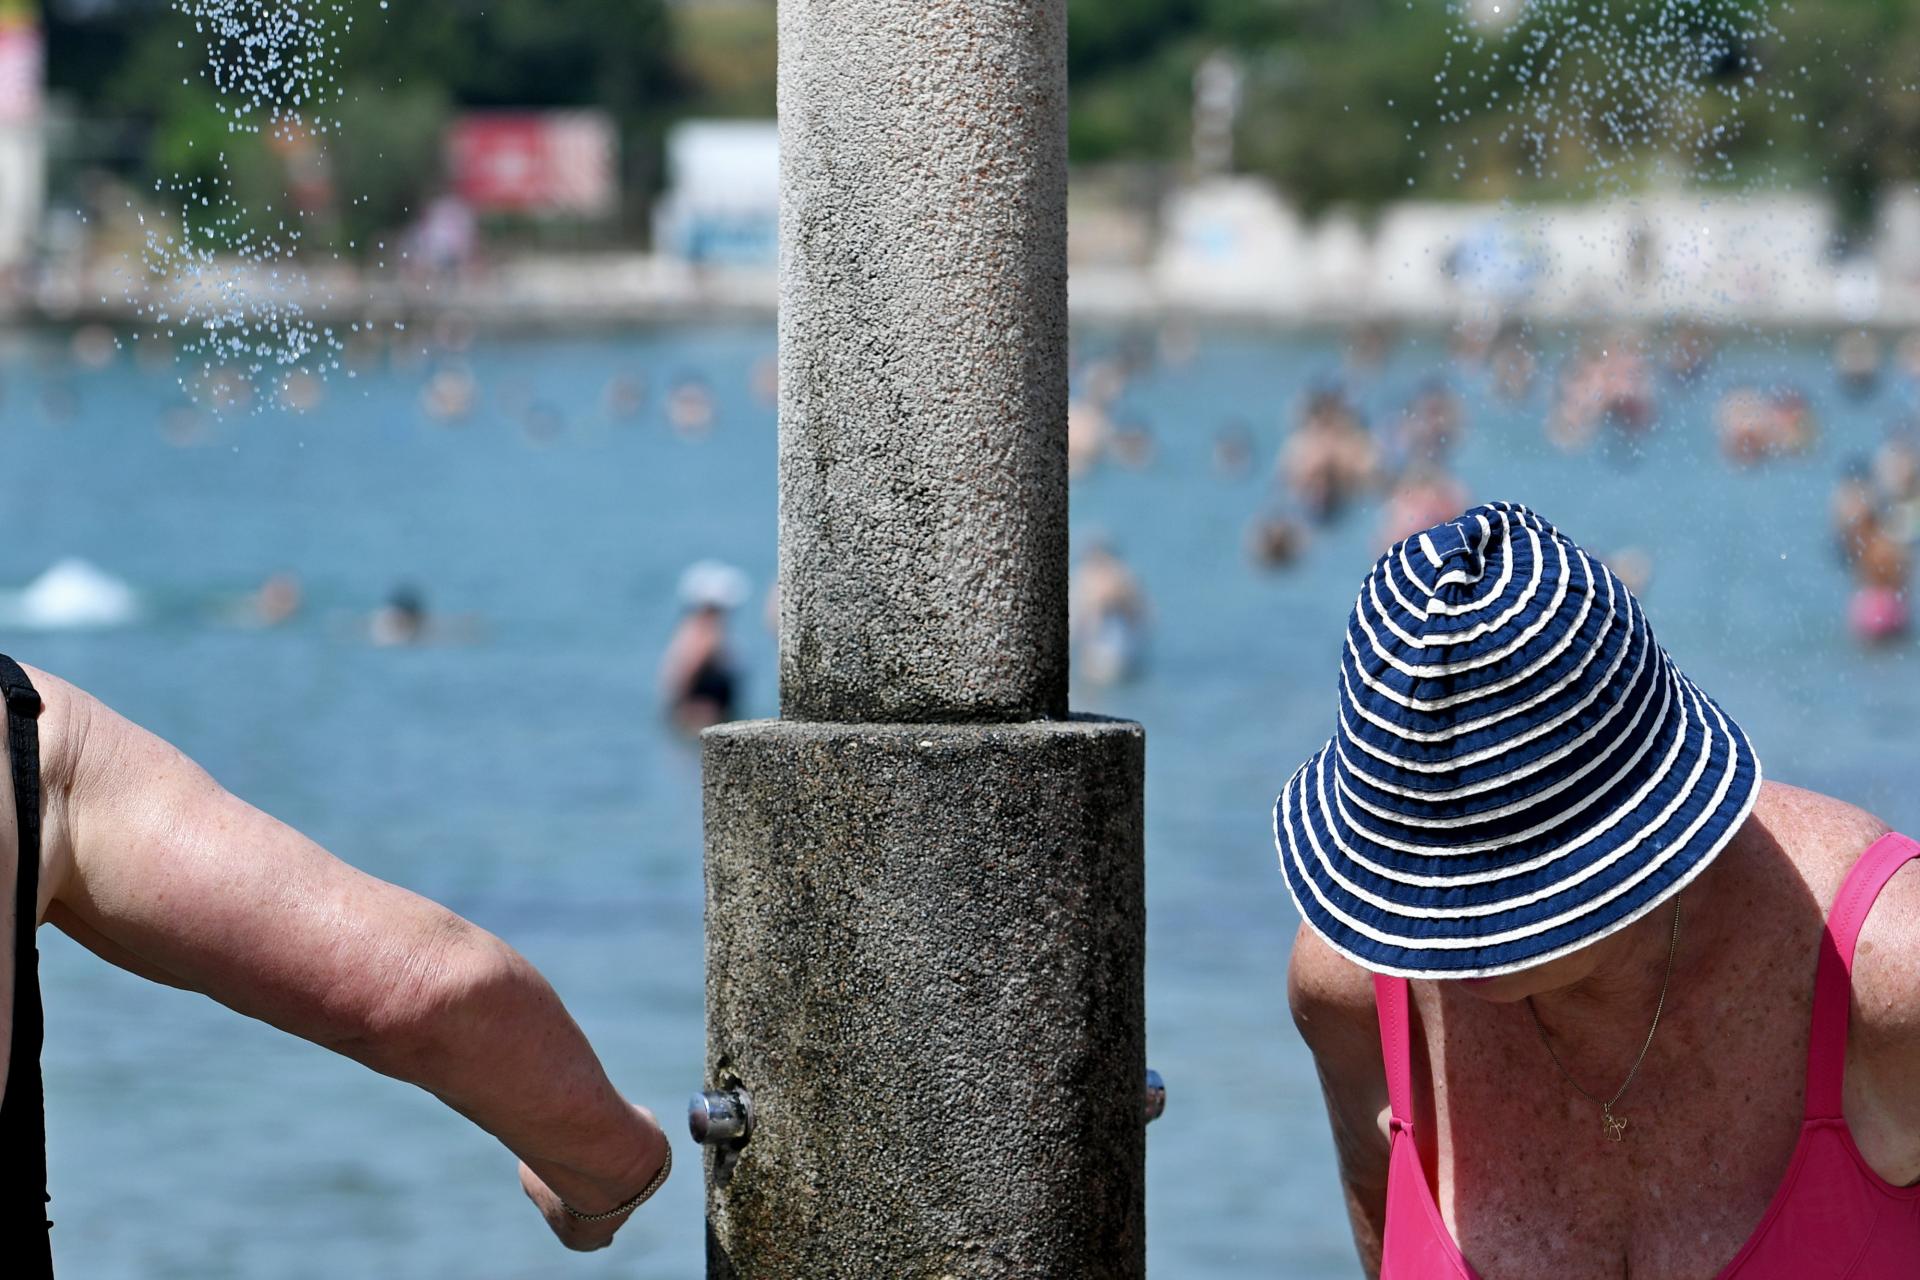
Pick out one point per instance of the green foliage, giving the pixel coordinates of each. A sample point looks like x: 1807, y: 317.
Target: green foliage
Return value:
x: 1346, y: 101
x: 726, y: 55
x: 386, y: 154
x: 1364, y: 101
x: 399, y: 73
x: 609, y: 53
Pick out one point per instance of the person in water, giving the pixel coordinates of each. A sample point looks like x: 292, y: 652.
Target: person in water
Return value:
x: 1108, y: 616
x: 402, y: 620
x: 1329, y: 460
x: 121, y: 842
x: 1587, y: 996
x: 1882, y: 579
x: 699, y: 681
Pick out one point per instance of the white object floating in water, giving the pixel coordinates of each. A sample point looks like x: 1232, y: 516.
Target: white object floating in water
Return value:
x: 74, y: 594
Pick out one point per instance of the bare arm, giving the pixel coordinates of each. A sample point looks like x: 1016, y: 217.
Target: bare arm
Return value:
x: 161, y: 870
x: 1332, y: 1003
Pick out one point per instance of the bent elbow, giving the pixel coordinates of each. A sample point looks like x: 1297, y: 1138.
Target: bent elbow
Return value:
x: 442, y: 1005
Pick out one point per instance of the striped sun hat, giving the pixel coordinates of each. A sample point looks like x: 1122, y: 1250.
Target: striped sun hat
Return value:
x: 1518, y: 770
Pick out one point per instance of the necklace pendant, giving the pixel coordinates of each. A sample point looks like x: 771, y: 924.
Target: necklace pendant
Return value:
x: 1616, y: 1126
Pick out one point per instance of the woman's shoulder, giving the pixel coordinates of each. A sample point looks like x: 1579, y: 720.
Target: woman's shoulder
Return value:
x: 1822, y: 836
x: 1825, y: 838
x: 1331, y: 999
x: 1332, y: 1002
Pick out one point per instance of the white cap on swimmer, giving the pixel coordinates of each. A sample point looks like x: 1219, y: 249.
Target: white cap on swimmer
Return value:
x: 712, y: 584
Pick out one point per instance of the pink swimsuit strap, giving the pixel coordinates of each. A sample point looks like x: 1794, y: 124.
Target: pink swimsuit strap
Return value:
x: 1833, y: 981
x: 1390, y: 1001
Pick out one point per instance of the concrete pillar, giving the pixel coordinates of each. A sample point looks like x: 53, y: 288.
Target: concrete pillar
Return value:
x: 924, y: 957
x: 925, y: 907
x: 923, y: 359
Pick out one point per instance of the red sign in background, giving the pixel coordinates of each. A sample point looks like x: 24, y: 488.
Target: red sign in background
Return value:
x: 534, y: 162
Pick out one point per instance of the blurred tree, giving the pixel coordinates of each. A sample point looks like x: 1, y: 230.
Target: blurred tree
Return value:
x: 397, y: 72
x: 1347, y: 101
x: 726, y: 53
x: 1365, y: 101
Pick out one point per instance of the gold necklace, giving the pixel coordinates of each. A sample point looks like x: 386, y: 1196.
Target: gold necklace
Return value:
x: 1616, y: 1126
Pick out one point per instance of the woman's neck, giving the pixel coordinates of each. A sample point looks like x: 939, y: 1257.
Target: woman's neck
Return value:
x: 1615, y: 999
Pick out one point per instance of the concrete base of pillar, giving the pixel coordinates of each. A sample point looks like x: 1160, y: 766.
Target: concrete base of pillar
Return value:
x: 925, y: 964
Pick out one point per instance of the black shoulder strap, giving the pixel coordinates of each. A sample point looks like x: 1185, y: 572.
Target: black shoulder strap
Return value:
x: 23, y: 742
x: 23, y: 1117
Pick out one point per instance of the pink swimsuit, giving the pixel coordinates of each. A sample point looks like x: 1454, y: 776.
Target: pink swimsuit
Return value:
x: 1833, y: 1217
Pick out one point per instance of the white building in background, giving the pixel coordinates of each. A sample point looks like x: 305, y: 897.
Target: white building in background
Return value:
x: 22, y: 138
x: 1235, y: 245
x: 722, y: 204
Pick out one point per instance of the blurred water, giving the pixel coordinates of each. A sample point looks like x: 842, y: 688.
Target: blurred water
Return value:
x: 524, y: 777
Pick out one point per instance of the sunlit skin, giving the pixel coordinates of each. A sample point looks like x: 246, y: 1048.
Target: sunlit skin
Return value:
x: 1522, y: 1171
x: 1604, y: 970
x: 150, y: 864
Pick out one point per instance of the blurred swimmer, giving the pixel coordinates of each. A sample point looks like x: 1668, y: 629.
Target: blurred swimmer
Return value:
x: 1606, y: 385
x: 449, y: 395
x: 1105, y: 379
x: 624, y: 396
x: 1634, y: 567
x: 1330, y: 459
x: 1882, y: 574
x: 1896, y: 472
x: 1757, y: 425
x: 1132, y: 446
x: 1276, y: 540
x: 699, y: 679
x: 1689, y: 351
x: 402, y: 620
x: 690, y: 408
x: 1425, y: 496
x: 1513, y: 366
x: 1088, y: 431
x: 765, y: 380
x: 1853, y: 509
x: 1109, y: 617
x: 1430, y: 430
x: 276, y: 601
x: 1856, y: 362
x: 1368, y: 347
x: 1473, y: 340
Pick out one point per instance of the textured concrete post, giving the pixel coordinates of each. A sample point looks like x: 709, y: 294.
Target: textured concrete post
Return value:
x: 923, y: 359
x: 924, y: 965
x: 925, y: 908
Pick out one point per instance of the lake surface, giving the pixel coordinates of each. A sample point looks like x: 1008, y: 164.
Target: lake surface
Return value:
x: 520, y: 772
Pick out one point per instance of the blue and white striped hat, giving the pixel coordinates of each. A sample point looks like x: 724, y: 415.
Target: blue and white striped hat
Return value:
x: 1519, y: 768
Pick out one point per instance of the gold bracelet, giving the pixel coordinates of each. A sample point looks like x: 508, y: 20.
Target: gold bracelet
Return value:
x: 621, y: 1210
